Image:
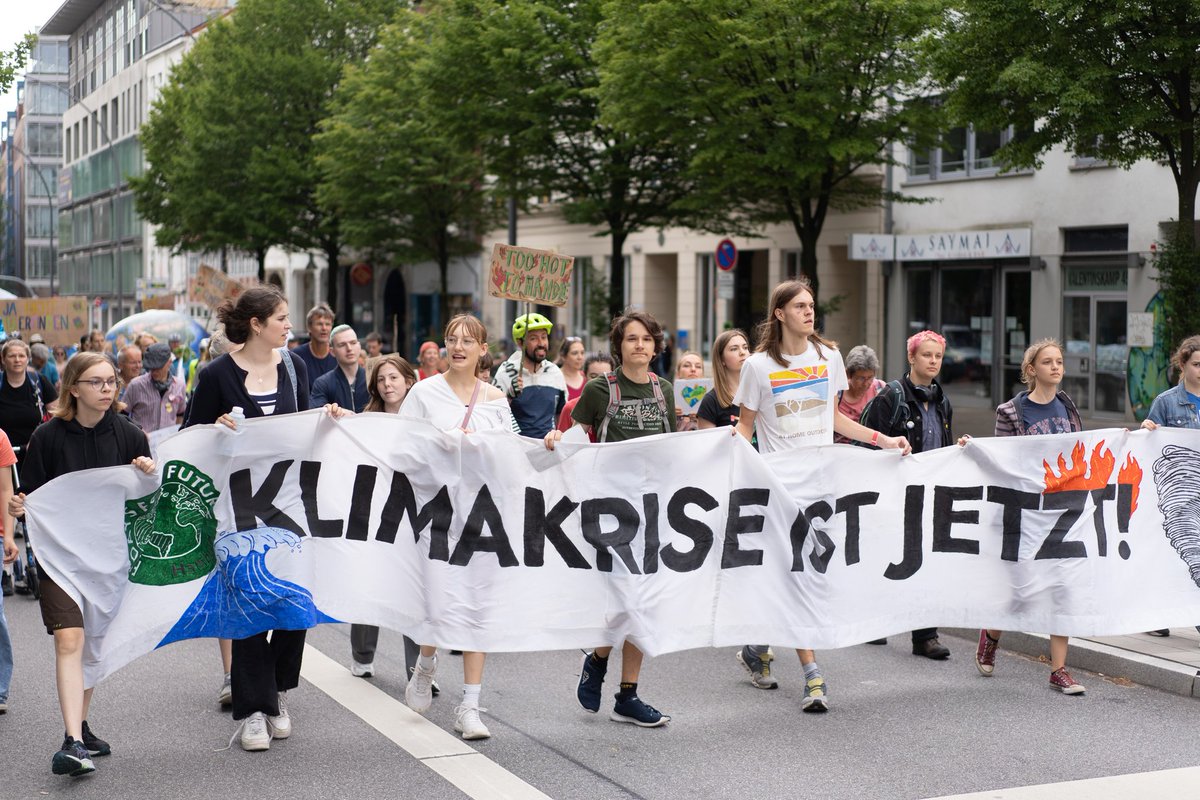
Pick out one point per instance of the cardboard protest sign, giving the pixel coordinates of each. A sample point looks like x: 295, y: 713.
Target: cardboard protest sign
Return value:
x: 689, y: 392
x: 60, y: 320
x: 536, y: 276
x: 211, y: 286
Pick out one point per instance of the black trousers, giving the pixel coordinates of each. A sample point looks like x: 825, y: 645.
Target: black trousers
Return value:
x: 262, y: 668
x: 924, y: 634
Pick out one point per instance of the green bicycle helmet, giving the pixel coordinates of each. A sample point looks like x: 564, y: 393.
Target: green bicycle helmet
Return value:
x: 530, y: 322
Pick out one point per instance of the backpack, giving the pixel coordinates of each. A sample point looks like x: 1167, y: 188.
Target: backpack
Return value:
x: 614, y: 402
x: 898, y: 421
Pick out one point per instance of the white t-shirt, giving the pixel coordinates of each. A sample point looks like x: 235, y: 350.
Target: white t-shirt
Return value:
x: 434, y: 400
x: 794, y: 404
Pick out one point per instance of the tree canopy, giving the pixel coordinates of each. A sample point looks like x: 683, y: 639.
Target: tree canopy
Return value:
x: 784, y: 108
x: 229, y: 141
x: 1119, y: 81
x: 400, y: 160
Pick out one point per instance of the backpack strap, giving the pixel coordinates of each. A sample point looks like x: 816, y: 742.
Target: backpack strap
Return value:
x: 290, y: 368
x: 614, y: 402
x: 662, y: 402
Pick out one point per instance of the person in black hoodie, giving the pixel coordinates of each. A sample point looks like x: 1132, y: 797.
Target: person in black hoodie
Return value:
x: 263, y: 378
x: 85, y: 432
x: 925, y: 418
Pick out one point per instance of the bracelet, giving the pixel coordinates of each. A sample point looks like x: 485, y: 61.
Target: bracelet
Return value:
x: 875, y: 439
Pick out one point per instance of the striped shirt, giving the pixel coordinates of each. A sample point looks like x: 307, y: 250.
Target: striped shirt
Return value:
x: 266, y: 401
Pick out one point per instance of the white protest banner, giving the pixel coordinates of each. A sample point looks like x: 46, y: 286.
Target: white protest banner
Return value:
x: 689, y: 392
x: 487, y: 542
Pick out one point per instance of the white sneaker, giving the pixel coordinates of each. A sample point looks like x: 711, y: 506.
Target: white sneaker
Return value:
x: 225, y: 696
x: 281, y: 724
x: 419, y: 691
x: 254, y: 733
x: 468, y: 723
x: 362, y: 670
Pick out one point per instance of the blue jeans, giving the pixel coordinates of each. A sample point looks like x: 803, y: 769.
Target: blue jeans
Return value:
x: 6, y: 655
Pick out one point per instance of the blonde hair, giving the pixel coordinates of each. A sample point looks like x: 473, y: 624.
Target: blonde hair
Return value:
x: 723, y: 383
x: 770, y: 330
x: 684, y: 355
x: 77, y: 365
x: 375, y: 403
x: 1031, y: 353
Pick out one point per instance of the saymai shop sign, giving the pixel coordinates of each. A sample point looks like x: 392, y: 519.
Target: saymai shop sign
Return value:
x: 60, y: 320
x: 945, y: 245
x: 536, y: 276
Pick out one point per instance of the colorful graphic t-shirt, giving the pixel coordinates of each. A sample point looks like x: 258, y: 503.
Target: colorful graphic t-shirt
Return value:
x: 794, y: 403
x: 638, y: 414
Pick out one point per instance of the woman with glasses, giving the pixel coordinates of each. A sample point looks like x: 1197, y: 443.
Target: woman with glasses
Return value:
x: 85, y: 432
x: 457, y: 400
x: 25, y: 396
x: 570, y: 361
x: 861, y: 365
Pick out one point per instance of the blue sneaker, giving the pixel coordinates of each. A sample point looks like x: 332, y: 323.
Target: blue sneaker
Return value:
x: 633, y: 710
x: 591, y: 683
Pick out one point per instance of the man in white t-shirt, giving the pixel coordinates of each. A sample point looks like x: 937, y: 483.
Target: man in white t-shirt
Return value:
x: 788, y: 393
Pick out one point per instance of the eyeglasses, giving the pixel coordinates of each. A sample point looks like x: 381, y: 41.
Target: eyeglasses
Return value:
x: 99, y: 383
x: 454, y: 341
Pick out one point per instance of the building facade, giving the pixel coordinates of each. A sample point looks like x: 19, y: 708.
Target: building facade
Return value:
x: 32, y: 152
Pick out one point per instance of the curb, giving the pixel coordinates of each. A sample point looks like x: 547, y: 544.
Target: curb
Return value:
x: 1105, y: 660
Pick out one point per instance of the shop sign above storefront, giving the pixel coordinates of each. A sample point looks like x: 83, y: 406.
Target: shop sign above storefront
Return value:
x: 943, y: 246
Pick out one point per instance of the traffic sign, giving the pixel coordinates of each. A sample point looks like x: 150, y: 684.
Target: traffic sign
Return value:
x: 727, y: 255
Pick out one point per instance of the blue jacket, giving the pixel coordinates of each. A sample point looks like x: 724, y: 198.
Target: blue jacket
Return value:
x: 332, y: 387
x: 1172, y: 409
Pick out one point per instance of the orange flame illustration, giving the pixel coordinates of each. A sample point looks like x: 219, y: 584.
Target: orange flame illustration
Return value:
x: 1131, y: 473
x: 498, y: 276
x: 1077, y: 476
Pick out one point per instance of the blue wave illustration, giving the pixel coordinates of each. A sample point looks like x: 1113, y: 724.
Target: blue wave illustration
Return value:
x: 241, y: 597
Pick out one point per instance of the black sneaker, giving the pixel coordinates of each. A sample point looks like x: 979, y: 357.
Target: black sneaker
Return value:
x: 6, y: 584
x: 591, y: 683
x: 73, y: 759
x: 94, y: 744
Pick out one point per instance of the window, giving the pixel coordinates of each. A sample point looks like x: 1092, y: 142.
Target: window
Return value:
x: 41, y: 181
x: 964, y: 153
x: 40, y: 222
x: 44, y: 139
x: 1095, y: 240
x: 38, y: 262
x: 45, y: 98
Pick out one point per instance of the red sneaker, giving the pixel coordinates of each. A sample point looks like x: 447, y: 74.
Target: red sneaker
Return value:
x: 1061, y: 679
x: 985, y: 654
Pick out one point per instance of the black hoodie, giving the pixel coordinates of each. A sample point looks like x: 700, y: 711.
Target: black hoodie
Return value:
x: 61, y: 446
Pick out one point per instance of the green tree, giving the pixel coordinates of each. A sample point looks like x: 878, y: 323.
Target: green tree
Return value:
x: 229, y: 141
x: 786, y: 108
x: 12, y: 61
x: 1117, y: 80
x: 527, y: 71
x: 401, y: 167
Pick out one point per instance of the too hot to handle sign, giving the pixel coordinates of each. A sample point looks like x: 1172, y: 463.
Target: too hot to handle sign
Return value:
x: 536, y: 276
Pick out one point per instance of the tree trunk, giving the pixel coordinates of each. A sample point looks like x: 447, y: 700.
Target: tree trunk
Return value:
x: 260, y: 253
x: 333, y: 250
x: 443, y: 259
x: 616, y: 277
x: 332, y: 273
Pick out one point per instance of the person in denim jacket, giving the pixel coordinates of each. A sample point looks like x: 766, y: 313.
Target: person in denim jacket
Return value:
x: 1179, y: 406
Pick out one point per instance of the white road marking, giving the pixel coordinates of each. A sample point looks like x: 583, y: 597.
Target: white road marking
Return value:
x: 1161, y: 785
x: 466, y: 768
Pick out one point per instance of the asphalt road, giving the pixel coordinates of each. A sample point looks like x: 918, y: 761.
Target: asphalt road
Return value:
x: 899, y: 727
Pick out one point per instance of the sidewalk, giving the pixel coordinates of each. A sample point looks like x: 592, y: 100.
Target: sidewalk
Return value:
x: 1171, y: 664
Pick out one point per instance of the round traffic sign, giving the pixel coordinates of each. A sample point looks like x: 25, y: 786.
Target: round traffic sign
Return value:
x: 727, y: 254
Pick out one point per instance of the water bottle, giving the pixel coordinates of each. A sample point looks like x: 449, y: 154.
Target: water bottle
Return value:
x: 238, y: 416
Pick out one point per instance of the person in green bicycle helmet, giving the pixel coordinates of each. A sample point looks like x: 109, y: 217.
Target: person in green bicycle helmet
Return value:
x: 535, y: 386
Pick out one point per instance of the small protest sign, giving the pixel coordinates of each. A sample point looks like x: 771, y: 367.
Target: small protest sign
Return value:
x: 689, y: 392
x: 536, y: 276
